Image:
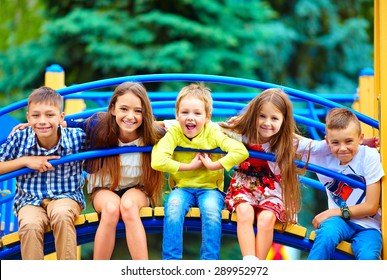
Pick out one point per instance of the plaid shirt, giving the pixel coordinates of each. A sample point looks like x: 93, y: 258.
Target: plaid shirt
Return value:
x: 65, y: 180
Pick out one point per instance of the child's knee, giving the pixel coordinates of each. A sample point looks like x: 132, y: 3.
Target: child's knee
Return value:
x: 37, y: 224
x: 245, y: 213
x: 111, y: 210
x: 174, y: 209
x: 173, y: 205
x: 266, y: 220
x: 129, y: 210
x: 62, y: 214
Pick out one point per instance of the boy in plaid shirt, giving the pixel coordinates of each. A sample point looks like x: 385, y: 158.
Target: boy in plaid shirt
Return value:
x: 47, y: 196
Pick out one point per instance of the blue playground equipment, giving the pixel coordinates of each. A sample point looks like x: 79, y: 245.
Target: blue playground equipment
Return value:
x: 309, y: 110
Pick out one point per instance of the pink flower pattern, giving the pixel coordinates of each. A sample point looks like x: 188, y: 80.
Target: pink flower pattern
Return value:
x: 254, y: 182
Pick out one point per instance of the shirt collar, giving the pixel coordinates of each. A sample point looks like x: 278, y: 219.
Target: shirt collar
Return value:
x: 64, y: 141
x: 136, y: 142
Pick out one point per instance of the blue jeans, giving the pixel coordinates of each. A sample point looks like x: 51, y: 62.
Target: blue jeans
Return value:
x: 180, y: 200
x: 366, y: 242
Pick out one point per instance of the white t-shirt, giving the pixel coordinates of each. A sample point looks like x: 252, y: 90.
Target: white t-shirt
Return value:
x: 365, y: 167
x: 131, y: 170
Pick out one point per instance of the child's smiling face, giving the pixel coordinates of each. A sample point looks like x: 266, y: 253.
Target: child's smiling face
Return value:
x: 192, y: 116
x: 45, y: 119
x: 344, y: 143
x: 269, y: 122
x: 129, y: 116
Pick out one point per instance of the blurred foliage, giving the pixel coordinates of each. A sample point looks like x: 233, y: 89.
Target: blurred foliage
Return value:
x: 310, y: 45
x: 20, y: 22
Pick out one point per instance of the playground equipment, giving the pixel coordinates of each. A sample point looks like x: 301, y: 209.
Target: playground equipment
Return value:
x: 309, y: 115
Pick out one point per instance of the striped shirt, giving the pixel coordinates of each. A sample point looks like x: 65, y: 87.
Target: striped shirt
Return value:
x: 65, y: 181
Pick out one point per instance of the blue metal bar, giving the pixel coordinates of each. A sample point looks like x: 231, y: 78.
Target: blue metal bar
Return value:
x: 313, y: 114
x: 227, y: 105
x: 316, y: 184
x: 195, y: 78
x: 132, y: 149
x: 220, y: 96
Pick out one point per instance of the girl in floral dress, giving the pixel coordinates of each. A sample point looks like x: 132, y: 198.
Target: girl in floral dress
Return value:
x: 261, y: 191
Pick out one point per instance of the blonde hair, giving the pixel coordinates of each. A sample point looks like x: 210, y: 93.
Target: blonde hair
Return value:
x: 340, y: 118
x: 46, y: 95
x: 197, y: 91
x: 281, y: 144
x: 105, y: 133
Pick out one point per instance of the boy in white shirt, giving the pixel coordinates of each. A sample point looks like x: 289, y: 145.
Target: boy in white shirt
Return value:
x: 353, y: 214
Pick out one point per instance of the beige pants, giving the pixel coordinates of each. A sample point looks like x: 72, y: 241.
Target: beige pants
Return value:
x: 60, y: 214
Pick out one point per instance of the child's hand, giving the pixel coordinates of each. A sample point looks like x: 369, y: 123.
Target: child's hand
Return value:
x: 20, y: 126
x: 206, y: 158
x: 319, y: 218
x: 196, y: 163
x: 372, y: 142
x: 40, y: 163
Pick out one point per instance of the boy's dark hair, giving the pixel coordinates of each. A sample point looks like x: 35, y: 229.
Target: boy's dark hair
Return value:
x: 340, y: 118
x: 46, y: 95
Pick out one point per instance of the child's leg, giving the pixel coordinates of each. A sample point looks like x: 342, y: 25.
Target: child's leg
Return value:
x: 32, y: 222
x: 107, y: 203
x: 265, y: 231
x: 62, y: 214
x: 331, y: 232
x: 245, y: 229
x: 176, y: 207
x: 366, y: 243
x: 131, y: 203
x: 211, y: 204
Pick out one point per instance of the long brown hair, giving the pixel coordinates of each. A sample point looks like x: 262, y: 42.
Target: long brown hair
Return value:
x: 281, y: 144
x: 104, y: 133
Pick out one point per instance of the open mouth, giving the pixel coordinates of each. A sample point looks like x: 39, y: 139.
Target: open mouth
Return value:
x: 190, y: 126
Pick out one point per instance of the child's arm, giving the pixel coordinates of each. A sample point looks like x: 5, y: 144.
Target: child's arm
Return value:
x: 195, y: 164
x: 39, y: 163
x: 368, y: 208
x: 20, y: 126
x: 76, y: 124
x: 372, y: 142
x: 11, y: 158
x: 236, y: 150
x: 162, y: 155
x: 371, y: 204
x: 207, y: 162
x: 321, y: 217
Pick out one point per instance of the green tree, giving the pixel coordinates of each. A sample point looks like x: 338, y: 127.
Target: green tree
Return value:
x: 333, y: 43
x: 20, y: 24
x: 103, y: 39
x: 312, y: 45
x: 316, y: 46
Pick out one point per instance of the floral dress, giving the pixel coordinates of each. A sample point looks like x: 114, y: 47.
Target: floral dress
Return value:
x: 255, y: 183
